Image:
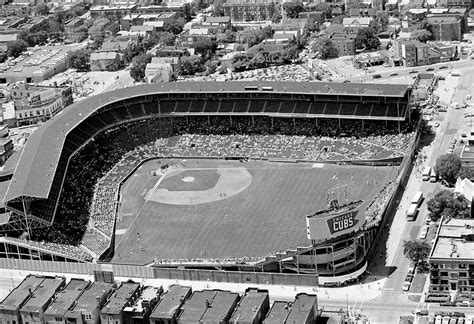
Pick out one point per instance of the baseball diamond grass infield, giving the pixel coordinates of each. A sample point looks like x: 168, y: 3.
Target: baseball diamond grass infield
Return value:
x: 228, y: 209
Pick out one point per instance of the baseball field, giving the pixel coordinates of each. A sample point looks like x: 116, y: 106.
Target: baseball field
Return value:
x: 187, y: 209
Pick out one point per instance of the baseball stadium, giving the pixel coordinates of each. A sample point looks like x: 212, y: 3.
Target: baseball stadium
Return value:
x: 228, y: 176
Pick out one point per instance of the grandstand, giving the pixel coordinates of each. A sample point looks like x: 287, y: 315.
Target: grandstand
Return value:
x: 34, y: 193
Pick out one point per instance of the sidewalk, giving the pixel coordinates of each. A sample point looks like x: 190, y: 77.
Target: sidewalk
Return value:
x: 359, y: 293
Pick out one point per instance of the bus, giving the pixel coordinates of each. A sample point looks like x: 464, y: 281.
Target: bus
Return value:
x: 417, y: 199
x: 433, y: 176
x: 426, y: 173
x: 412, y: 212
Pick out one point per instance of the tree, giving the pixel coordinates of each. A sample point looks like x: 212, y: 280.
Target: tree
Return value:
x: 191, y: 64
x: 42, y: 9
x: 240, y: 62
x: 167, y: 38
x: 137, y: 71
x: 422, y: 35
x: 187, y: 12
x: 79, y: 59
x: 217, y: 8
x: 380, y: 23
x: 292, y: 9
x: 174, y: 26
x: 258, y: 61
x: 466, y: 173
x: 206, y: 48
x: 324, y: 48
x: 447, y: 167
x: 366, y: 38
x: 18, y: 47
x: 416, y: 251
x: 449, y: 205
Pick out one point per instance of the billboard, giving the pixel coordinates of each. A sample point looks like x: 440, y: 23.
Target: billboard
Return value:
x: 332, y: 223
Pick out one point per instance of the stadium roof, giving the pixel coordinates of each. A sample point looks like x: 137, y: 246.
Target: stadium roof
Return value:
x: 38, y: 162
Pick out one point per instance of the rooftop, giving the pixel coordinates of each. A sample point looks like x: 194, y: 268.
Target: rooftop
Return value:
x: 18, y: 295
x: 455, y: 240
x: 66, y: 298
x: 222, y: 307
x: 88, y: 302
x: 170, y: 302
x: 278, y: 313
x: 195, y: 307
x: 120, y: 298
x: 250, y: 306
x: 38, y: 163
x: 148, y: 294
x: 43, y: 294
x: 303, y: 307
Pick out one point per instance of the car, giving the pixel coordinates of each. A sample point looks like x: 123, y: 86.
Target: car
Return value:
x: 429, y: 69
x: 409, y: 278
x: 376, y: 76
x: 413, y: 71
x: 453, y: 141
x: 406, y: 286
x: 424, y: 232
x: 443, y: 67
x: 469, y: 320
x: 441, y: 77
x: 428, y: 220
x: 450, y: 151
x: 442, y: 109
x: 467, y: 115
x: 394, y: 74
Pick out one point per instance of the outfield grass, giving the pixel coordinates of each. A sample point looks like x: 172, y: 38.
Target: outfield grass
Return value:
x: 266, y: 217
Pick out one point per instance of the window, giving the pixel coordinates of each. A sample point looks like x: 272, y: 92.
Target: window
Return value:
x: 462, y: 274
x: 88, y: 317
x: 58, y: 319
x: 444, y: 282
x: 109, y: 318
x: 462, y: 266
x: 443, y: 274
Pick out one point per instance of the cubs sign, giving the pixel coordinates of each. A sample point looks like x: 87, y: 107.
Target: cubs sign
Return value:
x: 341, y: 222
x: 335, y: 221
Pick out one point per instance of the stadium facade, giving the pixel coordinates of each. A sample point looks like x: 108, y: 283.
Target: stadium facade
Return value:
x: 31, y: 200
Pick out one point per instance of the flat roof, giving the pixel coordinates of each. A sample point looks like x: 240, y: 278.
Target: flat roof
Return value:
x: 303, y: 306
x: 222, y: 307
x: 170, y: 302
x: 454, y: 240
x: 148, y: 294
x: 43, y: 294
x: 21, y: 292
x: 278, y: 313
x: 250, y: 306
x: 88, y: 302
x: 66, y: 298
x: 120, y: 298
x: 39, y: 160
x: 195, y: 307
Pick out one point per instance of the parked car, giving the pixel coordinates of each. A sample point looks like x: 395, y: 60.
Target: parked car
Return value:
x: 429, y: 69
x: 376, y: 76
x: 424, y: 232
x: 394, y: 74
x: 443, y: 67
x: 413, y: 71
x: 409, y: 278
x: 406, y: 286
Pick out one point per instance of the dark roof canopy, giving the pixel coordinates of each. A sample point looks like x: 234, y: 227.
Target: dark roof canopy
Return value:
x: 39, y: 159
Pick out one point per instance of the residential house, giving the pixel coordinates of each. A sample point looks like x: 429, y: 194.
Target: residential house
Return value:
x: 344, y: 43
x: 313, y: 16
x: 447, y: 52
x: 106, y: 61
x: 139, y: 311
x: 7, y: 40
x: 259, y: 10
x: 252, y: 308
x: 445, y: 28
x: 362, y: 12
x: 143, y: 30
x: 64, y: 300
x: 118, y: 10
x: 172, y: 51
x: 217, y: 21
x: 221, y: 307
x: 304, y: 309
x: 451, y: 262
x: 123, y: 296
x: 6, y: 149
x: 33, y: 310
x: 358, y: 22
x: 87, y: 308
x: 159, y: 72
x: 72, y: 27
x: 166, y: 311
x: 19, y: 296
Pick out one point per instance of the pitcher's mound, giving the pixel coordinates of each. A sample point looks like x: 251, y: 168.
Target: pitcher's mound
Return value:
x: 230, y: 182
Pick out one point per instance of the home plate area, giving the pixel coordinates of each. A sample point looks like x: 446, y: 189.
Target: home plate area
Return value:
x: 199, y: 186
